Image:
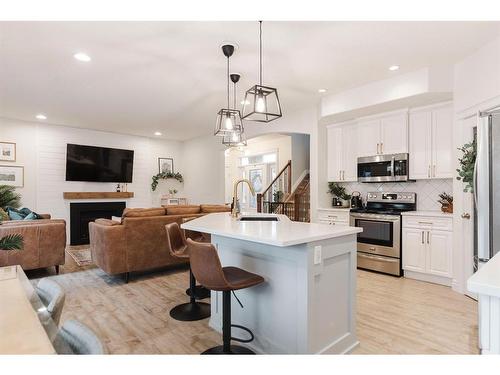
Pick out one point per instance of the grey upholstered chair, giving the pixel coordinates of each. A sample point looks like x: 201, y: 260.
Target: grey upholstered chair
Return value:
x: 52, y: 296
x: 76, y: 338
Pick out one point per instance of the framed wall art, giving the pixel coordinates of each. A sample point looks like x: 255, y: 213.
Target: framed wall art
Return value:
x: 165, y: 165
x: 12, y: 175
x: 7, y: 151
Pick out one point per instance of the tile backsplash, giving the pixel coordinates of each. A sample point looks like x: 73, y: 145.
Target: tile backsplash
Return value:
x: 427, y: 190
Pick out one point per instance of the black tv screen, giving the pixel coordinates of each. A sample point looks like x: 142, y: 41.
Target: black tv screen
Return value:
x: 98, y: 164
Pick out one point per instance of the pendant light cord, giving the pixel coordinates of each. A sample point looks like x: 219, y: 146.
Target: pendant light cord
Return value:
x: 228, y: 82
x: 260, y: 50
x: 234, y: 96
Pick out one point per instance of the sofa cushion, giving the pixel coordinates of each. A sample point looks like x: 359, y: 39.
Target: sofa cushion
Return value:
x: 209, y: 208
x: 183, y: 210
x: 143, y: 212
x: 107, y: 222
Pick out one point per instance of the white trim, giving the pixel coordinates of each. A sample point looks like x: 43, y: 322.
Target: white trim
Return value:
x: 384, y: 114
x: 299, y: 180
x: 431, y: 106
x: 343, y: 123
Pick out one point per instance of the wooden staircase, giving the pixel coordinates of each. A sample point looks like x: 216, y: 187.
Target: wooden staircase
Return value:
x: 279, y: 199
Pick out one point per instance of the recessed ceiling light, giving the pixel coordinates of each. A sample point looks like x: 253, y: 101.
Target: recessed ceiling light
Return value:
x: 41, y: 116
x: 80, y: 56
x: 321, y: 91
x: 394, y: 67
x: 157, y: 133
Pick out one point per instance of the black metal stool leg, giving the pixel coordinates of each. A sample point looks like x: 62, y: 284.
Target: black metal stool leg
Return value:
x: 226, y: 347
x: 200, y: 292
x: 193, y: 310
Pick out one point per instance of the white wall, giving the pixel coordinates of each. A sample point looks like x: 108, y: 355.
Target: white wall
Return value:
x: 477, y: 77
x: 203, y: 164
x: 300, y: 156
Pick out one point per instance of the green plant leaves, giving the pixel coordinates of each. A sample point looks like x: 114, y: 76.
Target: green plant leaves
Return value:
x: 12, y: 242
x: 9, y: 197
x: 163, y: 176
x: 467, y: 161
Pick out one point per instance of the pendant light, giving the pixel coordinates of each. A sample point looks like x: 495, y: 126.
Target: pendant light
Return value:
x: 234, y: 139
x: 228, y: 120
x: 261, y: 102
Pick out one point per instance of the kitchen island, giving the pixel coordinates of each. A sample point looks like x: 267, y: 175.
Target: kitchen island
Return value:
x: 307, y: 303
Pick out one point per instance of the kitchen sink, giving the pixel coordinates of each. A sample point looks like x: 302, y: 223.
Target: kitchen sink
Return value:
x: 259, y: 218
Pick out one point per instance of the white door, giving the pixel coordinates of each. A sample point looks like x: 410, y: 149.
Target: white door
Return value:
x: 349, y: 153
x: 420, y: 125
x: 334, y: 147
x: 439, y: 249
x: 368, y: 137
x: 413, y: 249
x: 442, y: 143
x: 257, y: 175
x: 394, y: 134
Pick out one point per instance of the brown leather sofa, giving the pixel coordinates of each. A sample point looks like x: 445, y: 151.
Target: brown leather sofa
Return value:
x: 139, y: 242
x: 44, y: 243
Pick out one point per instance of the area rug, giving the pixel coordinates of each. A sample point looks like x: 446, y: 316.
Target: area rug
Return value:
x: 82, y: 256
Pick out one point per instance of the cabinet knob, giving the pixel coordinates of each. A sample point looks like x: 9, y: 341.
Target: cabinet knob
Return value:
x: 466, y: 215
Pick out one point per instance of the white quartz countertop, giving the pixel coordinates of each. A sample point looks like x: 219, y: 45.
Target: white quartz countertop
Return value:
x: 277, y: 233
x: 344, y: 209
x: 487, y: 279
x: 427, y: 213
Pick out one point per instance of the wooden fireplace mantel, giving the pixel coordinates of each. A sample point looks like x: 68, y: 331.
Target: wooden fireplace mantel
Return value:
x: 96, y: 195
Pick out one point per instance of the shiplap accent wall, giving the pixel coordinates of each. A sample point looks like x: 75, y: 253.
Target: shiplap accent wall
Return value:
x: 42, y: 152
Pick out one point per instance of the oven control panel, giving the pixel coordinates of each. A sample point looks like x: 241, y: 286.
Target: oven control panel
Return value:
x: 391, y: 197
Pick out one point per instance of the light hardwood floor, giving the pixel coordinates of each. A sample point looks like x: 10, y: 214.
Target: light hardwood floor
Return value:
x: 394, y: 316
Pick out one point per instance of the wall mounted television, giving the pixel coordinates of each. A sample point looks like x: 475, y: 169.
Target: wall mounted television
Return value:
x: 98, y: 164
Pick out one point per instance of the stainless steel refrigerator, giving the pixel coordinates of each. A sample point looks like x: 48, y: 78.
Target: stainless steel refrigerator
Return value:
x: 487, y: 187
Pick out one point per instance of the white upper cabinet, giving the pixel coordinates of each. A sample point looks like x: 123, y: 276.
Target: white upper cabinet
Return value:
x: 383, y: 135
x: 349, y: 153
x: 342, y: 153
x: 394, y: 134
x: 334, y: 150
x: 420, y: 125
x: 368, y: 137
x: 431, y: 143
x: 442, y: 142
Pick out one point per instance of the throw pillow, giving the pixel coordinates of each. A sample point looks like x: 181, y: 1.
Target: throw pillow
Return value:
x: 15, y: 214
x: 4, y: 216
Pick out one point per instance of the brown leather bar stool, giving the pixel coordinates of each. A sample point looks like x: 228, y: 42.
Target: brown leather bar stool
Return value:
x: 178, y: 248
x: 209, y: 272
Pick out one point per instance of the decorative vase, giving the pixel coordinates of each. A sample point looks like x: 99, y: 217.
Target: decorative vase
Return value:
x: 346, y: 203
x: 447, y: 208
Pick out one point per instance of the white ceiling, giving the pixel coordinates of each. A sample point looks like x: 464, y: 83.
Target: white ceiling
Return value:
x: 170, y: 76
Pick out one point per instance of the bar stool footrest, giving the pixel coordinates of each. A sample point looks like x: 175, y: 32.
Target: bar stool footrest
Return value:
x: 244, y: 329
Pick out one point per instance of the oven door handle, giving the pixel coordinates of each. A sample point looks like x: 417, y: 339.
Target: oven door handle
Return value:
x: 377, y: 257
x: 392, y: 167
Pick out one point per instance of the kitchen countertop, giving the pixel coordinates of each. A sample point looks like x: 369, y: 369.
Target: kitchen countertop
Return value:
x: 427, y: 213
x: 280, y: 233
x: 486, y: 280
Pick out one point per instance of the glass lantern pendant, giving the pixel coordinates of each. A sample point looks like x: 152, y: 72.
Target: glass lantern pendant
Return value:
x: 261, y: 103
x: 228, y: 119
x: 234, y: 139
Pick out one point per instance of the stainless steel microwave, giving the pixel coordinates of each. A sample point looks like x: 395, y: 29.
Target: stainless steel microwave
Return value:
x: 383, y: 168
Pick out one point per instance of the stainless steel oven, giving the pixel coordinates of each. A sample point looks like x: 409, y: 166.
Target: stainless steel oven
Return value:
x: 383, y: 168
x: 379, y: 245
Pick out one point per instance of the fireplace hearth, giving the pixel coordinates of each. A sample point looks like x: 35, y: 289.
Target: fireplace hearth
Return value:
x: 81, y: 214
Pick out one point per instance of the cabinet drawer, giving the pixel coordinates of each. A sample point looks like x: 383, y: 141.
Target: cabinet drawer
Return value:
x: 428, y: 222
x: 331, y: 222
x: 337, y: 216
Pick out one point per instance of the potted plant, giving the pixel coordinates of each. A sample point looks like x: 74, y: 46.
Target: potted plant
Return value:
x: 446, y: 201
x: 9, y: 198
x: 340, y: 196
x: 467, y: 161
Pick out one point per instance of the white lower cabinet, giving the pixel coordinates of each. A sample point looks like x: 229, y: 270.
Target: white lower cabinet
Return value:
x: 334, y: 216
x: 427, y: 249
